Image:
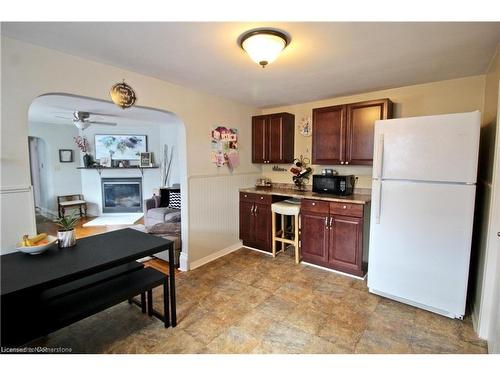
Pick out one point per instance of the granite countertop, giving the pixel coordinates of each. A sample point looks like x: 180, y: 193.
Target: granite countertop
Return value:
x: 287, y: 192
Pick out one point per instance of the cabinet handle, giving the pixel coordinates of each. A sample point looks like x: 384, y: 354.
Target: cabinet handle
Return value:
x: 326, y: 222
x: 251, y: 210
x: 347, y: 162
x: 261, y: 197
x: 313, y: 203
x: 344, y: 207
x: 341, y: 162
x: 255, y: 211
x: 331, y: 220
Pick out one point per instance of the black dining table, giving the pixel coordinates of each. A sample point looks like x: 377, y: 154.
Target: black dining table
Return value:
x: 25, y: 274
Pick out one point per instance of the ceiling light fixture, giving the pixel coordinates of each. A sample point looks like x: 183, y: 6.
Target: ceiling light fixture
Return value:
x: 264, y: 45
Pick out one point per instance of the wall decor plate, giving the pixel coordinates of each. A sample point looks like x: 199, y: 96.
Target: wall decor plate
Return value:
x: 123, y: 95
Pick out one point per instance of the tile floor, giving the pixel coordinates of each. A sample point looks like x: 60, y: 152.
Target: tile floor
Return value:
x: 248, y: 302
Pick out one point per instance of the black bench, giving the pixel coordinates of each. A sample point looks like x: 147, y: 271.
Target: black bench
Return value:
x: 70, y: 308
x: 85, y: 282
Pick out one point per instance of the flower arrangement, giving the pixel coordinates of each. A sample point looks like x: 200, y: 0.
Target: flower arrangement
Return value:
x: 82, y: 143
x: 301, y: 172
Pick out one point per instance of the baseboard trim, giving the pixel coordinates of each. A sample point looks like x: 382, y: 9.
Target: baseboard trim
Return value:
x: 258, y: 250
x: 183, y: 262
x: 334, y: 271
x: 218, y: 254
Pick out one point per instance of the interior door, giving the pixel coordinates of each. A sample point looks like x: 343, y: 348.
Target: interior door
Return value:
x: 259, y: 134
x: 431, y: 148
x: 35, y: 165
x: 361, y: 119
x: 420, y: 242
x: 275, y: 139
x: 314, y: 237
x: 345, y: 244
x: 329, y: 132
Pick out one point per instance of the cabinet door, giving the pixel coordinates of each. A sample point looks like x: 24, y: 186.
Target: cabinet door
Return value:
x: 275, y: 139
x: 345, y: 250
x: 260, y: 146
x: 246, y: 221
x: 329, y: 133
x: 314, y: 237
x: 262, y: 226
x: 361, y: 119
x: 281, y: 138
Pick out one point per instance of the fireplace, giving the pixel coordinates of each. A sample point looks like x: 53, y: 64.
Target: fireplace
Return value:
x: 121, y: 195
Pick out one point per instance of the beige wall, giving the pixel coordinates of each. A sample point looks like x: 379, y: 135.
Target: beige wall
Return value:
x: 484, y: 251
x: 29, y: 71
x: 457, y: 95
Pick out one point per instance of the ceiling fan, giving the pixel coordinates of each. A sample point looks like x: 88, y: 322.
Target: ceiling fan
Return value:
x: 82, y: 120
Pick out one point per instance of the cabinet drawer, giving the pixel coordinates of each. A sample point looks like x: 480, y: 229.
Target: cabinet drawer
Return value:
x: 346, y: 209
x: 247, y: 197
x: 310, y: 205
x: 263, y: 198
x: 256, y: 198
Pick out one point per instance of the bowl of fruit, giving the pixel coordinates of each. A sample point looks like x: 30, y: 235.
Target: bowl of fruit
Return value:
x: 37, y: 244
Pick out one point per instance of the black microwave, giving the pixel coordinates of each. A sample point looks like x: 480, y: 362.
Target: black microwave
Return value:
x: 338, y: 185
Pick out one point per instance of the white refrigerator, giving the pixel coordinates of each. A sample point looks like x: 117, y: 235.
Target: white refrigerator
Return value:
x: 423, y: 192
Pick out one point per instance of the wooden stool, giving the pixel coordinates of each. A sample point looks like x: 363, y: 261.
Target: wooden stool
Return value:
x: 286, y: 209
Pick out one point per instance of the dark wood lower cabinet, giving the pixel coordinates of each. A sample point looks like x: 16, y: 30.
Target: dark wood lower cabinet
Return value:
x: 255, y: 220
x: 314, y: 238
x: 332, y: 240
x: 246, y: 221
x: 345, y: 251
x: 262, y: 226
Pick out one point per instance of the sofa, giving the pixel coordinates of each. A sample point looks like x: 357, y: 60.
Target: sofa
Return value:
x: 154, y: 214
x: 163, y: 222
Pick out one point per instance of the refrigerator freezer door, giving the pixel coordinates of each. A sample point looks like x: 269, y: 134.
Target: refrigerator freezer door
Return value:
x: 420, y: 249
x: 430, y: 148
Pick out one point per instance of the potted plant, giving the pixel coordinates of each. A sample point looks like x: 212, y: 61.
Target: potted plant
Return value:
x: 66, y: 234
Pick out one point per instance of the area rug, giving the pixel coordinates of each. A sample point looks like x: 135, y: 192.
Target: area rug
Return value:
x: 115, y: 219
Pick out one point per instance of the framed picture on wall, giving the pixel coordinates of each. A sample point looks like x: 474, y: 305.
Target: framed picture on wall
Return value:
x: 65, y: 156
x: 120, y: 146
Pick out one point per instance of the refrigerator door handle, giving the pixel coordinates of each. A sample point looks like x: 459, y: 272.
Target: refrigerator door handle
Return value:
x: 380, y: 156
x: 378, y: 201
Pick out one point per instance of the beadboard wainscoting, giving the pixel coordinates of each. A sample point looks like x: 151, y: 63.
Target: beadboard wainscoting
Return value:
x: 214, y: 215
x: 16, y: 204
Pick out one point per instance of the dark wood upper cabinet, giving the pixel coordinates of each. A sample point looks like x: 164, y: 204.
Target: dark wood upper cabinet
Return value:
x: 361, y: 119
x: 273, y: 138
x: 343, y: 134
x: 328, y: 135
x: 259, y: 126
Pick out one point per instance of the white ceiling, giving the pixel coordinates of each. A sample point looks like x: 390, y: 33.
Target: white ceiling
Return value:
x: 323, y: 60
x: 48, y: 109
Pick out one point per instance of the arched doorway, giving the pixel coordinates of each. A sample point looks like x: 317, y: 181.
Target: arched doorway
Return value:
x: 161, y: 132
